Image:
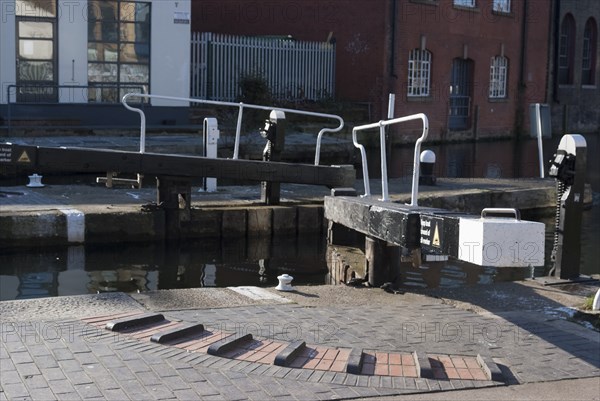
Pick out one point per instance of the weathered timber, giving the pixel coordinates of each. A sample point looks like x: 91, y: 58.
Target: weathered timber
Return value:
x: 391, y: 222
x: 21, y: 159
x: 377, y: 263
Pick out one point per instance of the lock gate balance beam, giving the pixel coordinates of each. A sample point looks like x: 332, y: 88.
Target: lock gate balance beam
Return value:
x: 19, y: 159
x: 497, y: 238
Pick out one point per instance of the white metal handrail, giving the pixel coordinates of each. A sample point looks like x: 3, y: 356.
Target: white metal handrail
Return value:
x: 416, y: 163
x: 238, y: 130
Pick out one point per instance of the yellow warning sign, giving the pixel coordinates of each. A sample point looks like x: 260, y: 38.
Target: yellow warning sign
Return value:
x: 24, y: 158
x: 436, y: 237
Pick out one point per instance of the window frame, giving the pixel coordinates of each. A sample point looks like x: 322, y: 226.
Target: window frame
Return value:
x: 498, y: 78
x: 465, y: 3
x: 419, y: 78
x: 590, y: 44
x: 36, y: 90
x: 566, y: 50
x: 114, y: 89
x: 502, y: 6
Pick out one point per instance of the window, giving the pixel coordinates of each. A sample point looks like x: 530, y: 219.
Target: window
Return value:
x: 464, y: 3
x: 498, y: 75
x: 566, y: 51
x: 590, y: 43
x: 419, y: 72
x: 502, y: 6
x: 118, y: 49
x: 36, y: 62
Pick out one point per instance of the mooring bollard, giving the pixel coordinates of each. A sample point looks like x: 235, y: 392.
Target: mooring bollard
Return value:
x: 285, y: 283
x: 35, y: 181
x: 426, y: 176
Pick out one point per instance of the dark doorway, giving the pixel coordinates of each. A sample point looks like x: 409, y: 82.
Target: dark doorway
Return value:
x: 461, y: 86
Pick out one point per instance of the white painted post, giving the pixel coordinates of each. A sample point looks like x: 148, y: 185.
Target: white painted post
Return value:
x: 383, y: 150
x: 210, y: 137
x: 538, y: 117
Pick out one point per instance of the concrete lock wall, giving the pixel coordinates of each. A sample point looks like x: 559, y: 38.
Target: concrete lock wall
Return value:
x: 55, y: 227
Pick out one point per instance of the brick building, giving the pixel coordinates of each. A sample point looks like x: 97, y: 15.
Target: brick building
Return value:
x: 575, y: 60
x: 67, y: 64
x: 358, y: 28
x: 473, y: 66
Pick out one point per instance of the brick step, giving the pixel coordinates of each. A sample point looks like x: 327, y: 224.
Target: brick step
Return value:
x: 298, y: 355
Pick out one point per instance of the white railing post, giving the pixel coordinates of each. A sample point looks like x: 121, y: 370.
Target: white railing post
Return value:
x: 383, y: 150
x: 414, y: 197
x: 238, y: 132
x: 210, y: 139
x: 538, y: 121
x: 142, y: 119
x: 384, y: 177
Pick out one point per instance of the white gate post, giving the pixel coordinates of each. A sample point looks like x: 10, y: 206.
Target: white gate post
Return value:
x: 210, y: 138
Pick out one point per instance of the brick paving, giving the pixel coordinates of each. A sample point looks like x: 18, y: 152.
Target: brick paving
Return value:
x: 318, y: 358
x: 73, y: 359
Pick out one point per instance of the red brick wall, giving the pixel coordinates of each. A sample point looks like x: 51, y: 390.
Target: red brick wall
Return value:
x: 368, y: 68
x: 447, y: 30
x: 358, y: 28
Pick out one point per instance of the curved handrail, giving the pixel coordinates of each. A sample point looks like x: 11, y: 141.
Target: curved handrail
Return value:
x: 416, y: 162
x: 241, y: 107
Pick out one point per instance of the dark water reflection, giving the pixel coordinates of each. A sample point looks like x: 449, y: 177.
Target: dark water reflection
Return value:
x: 144, y: 267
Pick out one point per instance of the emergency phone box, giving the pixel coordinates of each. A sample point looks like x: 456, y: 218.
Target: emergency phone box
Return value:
x: 501, y: 240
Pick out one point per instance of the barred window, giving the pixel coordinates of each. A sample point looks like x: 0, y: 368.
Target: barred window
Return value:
x: 588, y: 64
x: 419, y: 72
x: 502, y: 6
x: 498, y: 75
x: 566, y: 51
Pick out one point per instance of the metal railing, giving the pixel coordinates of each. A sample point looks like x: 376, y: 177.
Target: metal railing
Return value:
x: 384, y: 178
x: 292, y: 69
x: 241, y: 107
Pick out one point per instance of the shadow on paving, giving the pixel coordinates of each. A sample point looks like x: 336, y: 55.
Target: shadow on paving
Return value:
x: 544, y: 330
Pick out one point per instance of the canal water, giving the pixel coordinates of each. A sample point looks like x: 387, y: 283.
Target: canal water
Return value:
x: 91, y: 269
